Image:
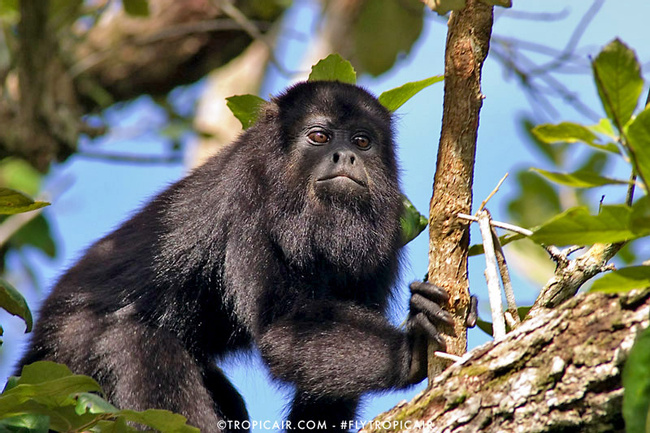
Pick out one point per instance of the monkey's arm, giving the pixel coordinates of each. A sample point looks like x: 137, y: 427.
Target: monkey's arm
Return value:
x: 340, y: 349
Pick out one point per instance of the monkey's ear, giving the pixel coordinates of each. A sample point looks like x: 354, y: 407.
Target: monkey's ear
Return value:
x: 269, y: 111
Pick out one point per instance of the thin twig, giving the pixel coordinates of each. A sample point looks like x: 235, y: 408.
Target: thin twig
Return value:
x: 494, y: 191
x: 491, y: 276
x: 505, y: 279
x: 446, y: 355
x: 501, y: 225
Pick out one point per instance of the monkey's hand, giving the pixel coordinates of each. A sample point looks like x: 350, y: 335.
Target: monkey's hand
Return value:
x: 425, y: 317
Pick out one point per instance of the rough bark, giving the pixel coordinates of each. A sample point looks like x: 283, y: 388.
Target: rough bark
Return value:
x: 467, y: 46
x: 559, y: 371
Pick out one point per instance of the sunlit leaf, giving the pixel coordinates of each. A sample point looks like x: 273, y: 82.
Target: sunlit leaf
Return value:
x: 604, y: 127
x: 618, y: 79
x: 333, y: 68
x: 395, y: 98
x: 246, y: 108
x: 577, y: 226
x: 579, y: 179
x: 13, y: 202
x: 13, y: 302
x: 623, y: 280
x: 638, y: 134
x: 568, y: 132
x: 636, y: 385
x: 412, y: 221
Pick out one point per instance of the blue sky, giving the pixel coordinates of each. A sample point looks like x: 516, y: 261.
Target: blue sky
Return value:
x: 92, y: 197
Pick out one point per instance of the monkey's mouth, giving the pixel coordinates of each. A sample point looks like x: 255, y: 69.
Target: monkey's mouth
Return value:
x: 341, y: 179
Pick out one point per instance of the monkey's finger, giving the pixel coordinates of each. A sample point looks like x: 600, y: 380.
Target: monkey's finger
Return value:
x: 472, y: 313
x: 432, y: 310
x: 430, y: 291
x: 421, y: 322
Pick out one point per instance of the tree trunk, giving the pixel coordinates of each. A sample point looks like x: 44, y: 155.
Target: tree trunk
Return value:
x: 559, y: 371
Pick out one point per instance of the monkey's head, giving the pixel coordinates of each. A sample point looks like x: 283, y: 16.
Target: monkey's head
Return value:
x: 340, y: 141
x: 333, y: 178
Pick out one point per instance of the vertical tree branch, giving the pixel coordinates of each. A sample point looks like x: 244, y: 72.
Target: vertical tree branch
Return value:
x: 467, y: 46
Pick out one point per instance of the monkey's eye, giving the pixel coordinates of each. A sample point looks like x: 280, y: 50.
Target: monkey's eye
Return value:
x: 362, y: 142
x: 318, y: 137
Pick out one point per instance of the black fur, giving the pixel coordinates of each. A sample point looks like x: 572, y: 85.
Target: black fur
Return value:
x: 279, y: 242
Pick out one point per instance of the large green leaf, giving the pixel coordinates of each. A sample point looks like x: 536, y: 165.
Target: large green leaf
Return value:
x: 384, y: 30
x: 618, y: 79
x: 395, y: 98
x: 13, y: 302
x: 568, y: 132
x: 638, y: 134
x: 49, y: 391
x: 579, y: 179
x: 577, y: 226
x: 246, y: 108
x: 623, y: 280
x: 333, y: 68
x: 636, y: 386
x: 13, y: 202
x: 413, y: 222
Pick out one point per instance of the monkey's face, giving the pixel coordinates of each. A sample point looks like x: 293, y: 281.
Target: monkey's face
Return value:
x: 337, y: 146
x: 333, y: 158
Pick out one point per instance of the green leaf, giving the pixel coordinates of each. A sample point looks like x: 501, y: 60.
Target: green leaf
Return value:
x: 385, y: 30
x: 636, y: 385
x: 395, y: 98
x: 26, y: 423
x: 18, y: 174
x: 333, y: 68
x: 604, y: 127
x: 42, y: 371
x: 93, y: 404
x: 412, y: 221
x: 12, y: 301
x: 577, y: 226
x: 640, y: 218
x: 162, y: 420
x: 623, y: 280
x: 51, y: 394
x: 638, y: 133
x: 13, y: 202
x: 579, y: 179
x: 568, y: 132
x: 136, y: 8
x: 246, y: 108
x: 35, y: 233
x: 618, y: 80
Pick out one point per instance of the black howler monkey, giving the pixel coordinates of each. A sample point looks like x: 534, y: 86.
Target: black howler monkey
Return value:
x: 287, y: 240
